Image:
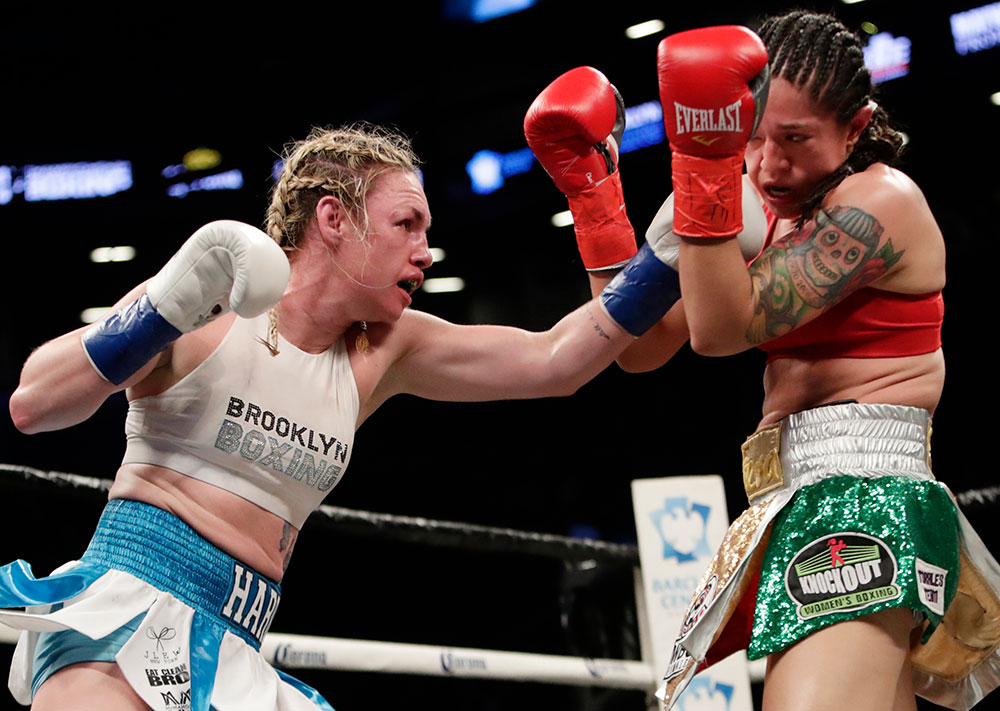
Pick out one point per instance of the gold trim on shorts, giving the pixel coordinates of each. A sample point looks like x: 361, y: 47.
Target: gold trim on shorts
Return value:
x: 969, y: 633
x: 762, y: 462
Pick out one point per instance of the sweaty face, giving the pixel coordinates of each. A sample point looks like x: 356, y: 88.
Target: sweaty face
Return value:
x: 389, y: 262
x: 794, y: 148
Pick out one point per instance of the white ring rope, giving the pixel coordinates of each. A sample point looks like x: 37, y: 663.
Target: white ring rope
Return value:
x: 299, y: 651
x: 418, y: 529
x: 408, y: 528
x: 291, y: 651
x: 989, y: 495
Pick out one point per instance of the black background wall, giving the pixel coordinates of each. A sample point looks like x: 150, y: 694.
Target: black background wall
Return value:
x: 82, y: 87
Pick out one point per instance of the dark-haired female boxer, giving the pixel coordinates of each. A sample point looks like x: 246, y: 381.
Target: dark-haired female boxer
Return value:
x: 851, y: 554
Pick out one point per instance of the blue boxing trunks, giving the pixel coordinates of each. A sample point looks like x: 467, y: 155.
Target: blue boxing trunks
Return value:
x: 182, y: 619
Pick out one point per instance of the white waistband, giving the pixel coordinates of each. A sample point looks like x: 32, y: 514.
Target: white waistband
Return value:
x: 850, y: 439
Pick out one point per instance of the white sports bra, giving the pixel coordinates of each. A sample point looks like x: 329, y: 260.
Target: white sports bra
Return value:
x: 275, y: 430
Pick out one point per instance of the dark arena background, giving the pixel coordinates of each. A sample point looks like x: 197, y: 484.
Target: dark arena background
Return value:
x: 189, y: 111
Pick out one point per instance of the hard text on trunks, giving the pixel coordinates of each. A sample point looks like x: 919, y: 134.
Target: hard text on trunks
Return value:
x: 172, y: 676
x: 680, y: 660
x: 281, y: 444
x: 930, y: 585
x: 841, y: 572
x: 252, y: 602
x: 165, y: 649
x: 179, y: 701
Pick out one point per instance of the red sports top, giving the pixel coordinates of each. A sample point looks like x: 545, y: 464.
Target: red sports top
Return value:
x: 870, y: 323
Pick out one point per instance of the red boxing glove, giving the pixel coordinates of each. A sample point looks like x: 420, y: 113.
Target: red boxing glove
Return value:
x: 713, y: 88
x: 574, y: 128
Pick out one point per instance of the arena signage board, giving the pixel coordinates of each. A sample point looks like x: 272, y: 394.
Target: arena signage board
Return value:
x: 680, y: 522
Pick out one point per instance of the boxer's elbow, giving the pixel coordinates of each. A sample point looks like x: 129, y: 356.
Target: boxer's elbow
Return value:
x: 715, y: 344
x: 717, y: 333
x: 631, y: 363
x: 565, y: 386
x: 564, y: 379
x: 24, y: 412
x: 34, y: 409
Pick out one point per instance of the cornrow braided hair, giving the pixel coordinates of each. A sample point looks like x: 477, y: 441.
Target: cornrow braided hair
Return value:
x: 818, y: 52
x: 343, y: 162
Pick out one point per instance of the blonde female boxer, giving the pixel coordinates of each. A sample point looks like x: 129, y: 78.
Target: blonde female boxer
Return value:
x: 249, y: 361
x: 852, y: 570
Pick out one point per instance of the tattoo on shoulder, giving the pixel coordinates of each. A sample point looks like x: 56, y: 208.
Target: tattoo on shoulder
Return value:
x: 596, y: 326
x: 815, y: 266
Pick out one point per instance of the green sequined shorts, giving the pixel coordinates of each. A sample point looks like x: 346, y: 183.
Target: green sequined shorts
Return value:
x: 849, y: 546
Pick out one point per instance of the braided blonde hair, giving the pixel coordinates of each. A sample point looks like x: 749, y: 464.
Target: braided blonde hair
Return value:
x: 343, y: 162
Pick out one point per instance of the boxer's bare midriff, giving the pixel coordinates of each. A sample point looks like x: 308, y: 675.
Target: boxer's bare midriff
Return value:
x: 244, y: 530
x: 792, y: 384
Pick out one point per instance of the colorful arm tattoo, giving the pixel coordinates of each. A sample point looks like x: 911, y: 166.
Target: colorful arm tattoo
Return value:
x: 814, y: 267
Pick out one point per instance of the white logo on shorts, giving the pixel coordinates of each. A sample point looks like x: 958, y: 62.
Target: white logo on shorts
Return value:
x: 930, y: 585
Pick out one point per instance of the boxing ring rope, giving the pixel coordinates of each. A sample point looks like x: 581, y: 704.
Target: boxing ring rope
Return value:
x: 293, y: 651
x: 393, y: 527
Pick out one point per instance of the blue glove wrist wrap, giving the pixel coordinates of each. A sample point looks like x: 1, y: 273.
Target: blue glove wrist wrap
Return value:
x: 642, y: 292
x: 123, y: 342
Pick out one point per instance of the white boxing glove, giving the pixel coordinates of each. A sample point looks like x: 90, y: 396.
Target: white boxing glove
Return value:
x: 666, y: 244
x: 224, y: 265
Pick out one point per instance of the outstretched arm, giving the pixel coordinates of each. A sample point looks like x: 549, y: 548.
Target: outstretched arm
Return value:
x: 440, y: 360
